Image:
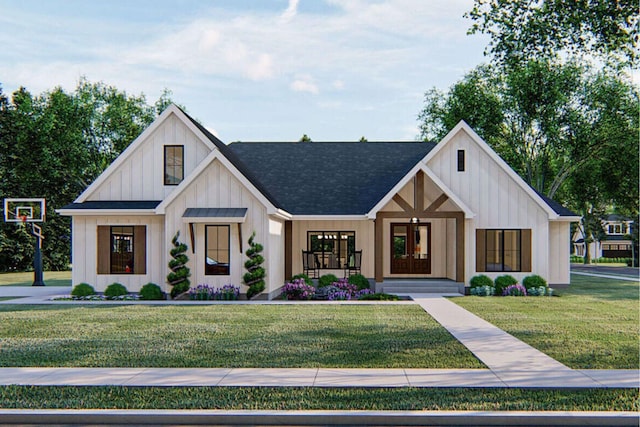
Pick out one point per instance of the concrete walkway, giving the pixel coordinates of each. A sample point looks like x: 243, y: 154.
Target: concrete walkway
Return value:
x: 510, y: 362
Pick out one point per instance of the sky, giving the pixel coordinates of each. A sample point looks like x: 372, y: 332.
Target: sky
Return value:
x: 251, y: 70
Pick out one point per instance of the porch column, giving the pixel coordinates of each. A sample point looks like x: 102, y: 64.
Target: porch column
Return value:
x: 288, y: 250
x: 378, y: 249
x: 460, y: 247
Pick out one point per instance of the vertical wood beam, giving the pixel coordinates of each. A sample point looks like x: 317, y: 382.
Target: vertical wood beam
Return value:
x: 419, y: 192
x: 379, y: 249
x: 460, y: 247
x: 193, y: 238
x: 288, y: 249
x: 240, y: 236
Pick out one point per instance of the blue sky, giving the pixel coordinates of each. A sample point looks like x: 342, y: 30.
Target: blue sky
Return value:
x: 251, y: 70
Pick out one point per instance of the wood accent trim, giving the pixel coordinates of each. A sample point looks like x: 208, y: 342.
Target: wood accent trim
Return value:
x: 419, y: 192
x: 460, y: 248
x: 240, y: 236
x: 139, y: 249
x: 403, y: 204
x: 525, y: 250
x: 103, y: 249
x: 378, y: 248
x: 288, y: 249
x: 437, y: 203
x: 193, y: 238
x: 481, y: 256
x: 423, y: 216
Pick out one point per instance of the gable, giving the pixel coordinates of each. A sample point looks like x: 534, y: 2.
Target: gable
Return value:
x: 138, y: 173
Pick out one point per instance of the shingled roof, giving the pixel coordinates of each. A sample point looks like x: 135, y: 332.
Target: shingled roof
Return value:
x: 329, y: 178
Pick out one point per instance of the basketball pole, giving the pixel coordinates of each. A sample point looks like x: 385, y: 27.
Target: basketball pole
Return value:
x: 38, y: 277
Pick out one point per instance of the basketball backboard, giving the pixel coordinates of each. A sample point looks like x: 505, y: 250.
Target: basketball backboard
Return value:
x: 25, y: 210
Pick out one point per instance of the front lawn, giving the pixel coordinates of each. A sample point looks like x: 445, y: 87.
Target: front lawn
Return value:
x: 591, y: 325
x: 234, y: 336
x: 51, y: 278
x: 306, y: 398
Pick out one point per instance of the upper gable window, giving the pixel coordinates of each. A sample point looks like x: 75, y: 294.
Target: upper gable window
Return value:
x: 173, y: 164
x: 460, y: 160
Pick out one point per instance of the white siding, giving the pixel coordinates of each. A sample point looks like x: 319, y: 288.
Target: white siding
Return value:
x: 559, y: 235
x: 217, y: 187
x: 85, y: 244
x: 141, y: 175
x: 497, y: 200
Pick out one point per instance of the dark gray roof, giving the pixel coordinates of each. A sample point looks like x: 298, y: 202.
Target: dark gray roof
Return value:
x: 557, y: 207
x: 114, y: 204
x: 214, y: 213
x: 329, y: 178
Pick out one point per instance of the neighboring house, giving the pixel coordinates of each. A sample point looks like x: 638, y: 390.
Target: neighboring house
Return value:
x: 615, y: 242
x: 416, y: 210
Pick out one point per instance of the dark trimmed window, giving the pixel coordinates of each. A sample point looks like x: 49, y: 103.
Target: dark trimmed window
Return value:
x: 460, y: 160
x: 332, y: 248
x: 122, y: 249
x: 217, y: 250
x: 503, y: 250
x: 173, y: 164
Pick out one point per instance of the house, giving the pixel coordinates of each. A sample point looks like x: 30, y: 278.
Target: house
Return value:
x: 614, y: 242
x: 416, y: 210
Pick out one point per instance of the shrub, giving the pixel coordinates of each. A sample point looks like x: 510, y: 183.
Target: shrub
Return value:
x: 534, y: 281
x: 516, y: 290
x: 480, y: 280
x: 297, y: 290
x: 502, y: 282
x: 483, y: 291
x: 327, y: 280
x: 254, y: 277
x: 179, y: 276
x: 115, y: 290
x: 304, y: 277
x: 378, y: 297
x: 228, y: 292
x: 83, y: 290
x: 150, y: 292
x: 360, y: 281
x: 539, y: 291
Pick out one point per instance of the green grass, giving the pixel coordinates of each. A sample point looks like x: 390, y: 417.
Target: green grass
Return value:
x: 593, y: 325
x: 290, y: 398
x: 364, y: 336
x: 51, y: 278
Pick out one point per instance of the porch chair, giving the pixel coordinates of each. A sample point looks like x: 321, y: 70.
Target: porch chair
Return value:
x: 353, y: 264
x: 310, y: 264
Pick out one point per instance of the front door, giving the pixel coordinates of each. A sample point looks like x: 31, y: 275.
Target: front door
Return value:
x: 410, y: 248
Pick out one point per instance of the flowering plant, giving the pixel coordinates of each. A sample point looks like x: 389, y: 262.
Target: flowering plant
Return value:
x: 516, y: 290
x: 297, y: 289
x: 204, y: 292
x: 201, y: 292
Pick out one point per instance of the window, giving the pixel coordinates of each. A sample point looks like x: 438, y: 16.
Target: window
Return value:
x: 217, y: 250
x: 122, y: 249
x: 503, y: 250
x: 460, y: 160
x: 333, y: 249
x: 173, y: 164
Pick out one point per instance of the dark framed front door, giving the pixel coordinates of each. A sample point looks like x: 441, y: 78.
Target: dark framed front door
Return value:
x: 410, y: 248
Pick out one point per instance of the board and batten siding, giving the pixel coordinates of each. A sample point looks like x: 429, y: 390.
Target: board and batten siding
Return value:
x: 217, y: 187
x: 85, y: 252
x: 141, y: 175
x: 496, y: 199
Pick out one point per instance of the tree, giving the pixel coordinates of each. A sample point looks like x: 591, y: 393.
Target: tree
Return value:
x: 532, y: 29
x: 363, y: 139
x: 254, y: 277
x: 178, y: 278
x: 304, y: 138
x: 546, y: 119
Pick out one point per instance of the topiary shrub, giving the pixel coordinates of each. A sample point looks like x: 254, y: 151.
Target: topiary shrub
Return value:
x: 83, y: 290
x: 179, y: 276
x: 360, y: 281
x: 534, y: 281
x: 480, y: 280
x: 502, y: 282
x: 115, y: 290
x: 151, y: 292
x: 304, y: 277
x: 327, y: 280
x: 254, y: 277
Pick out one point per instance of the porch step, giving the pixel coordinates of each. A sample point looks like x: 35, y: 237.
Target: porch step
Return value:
x: 421, y: 287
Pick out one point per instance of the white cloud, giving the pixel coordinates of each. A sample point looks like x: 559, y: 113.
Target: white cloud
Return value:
x: 290, y: 12
x: 304, y: 84
x: 338, y: 84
